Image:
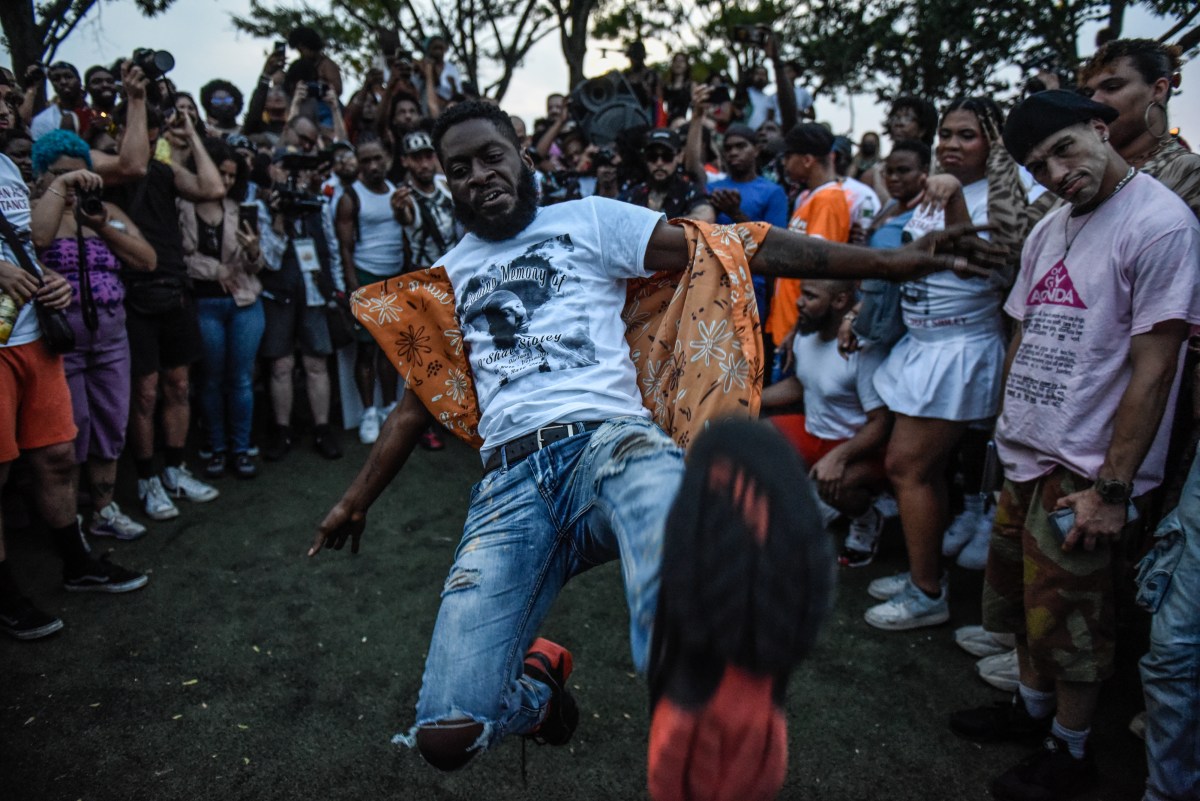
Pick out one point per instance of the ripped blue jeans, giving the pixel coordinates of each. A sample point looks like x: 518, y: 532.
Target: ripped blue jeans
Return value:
x: 576, y: 504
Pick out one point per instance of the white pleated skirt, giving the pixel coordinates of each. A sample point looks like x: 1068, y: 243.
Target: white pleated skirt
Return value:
x: 948, y: 373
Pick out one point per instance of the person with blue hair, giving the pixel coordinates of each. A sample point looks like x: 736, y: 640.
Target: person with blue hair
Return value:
x: 88, y: 242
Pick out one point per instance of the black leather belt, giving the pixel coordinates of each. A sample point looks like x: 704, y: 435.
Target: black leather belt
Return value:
x: 521, y: 447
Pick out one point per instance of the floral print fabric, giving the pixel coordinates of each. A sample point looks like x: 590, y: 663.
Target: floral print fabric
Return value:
x: 694, y: 336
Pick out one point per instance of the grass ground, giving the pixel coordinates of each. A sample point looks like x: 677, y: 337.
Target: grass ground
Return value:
x: 246, y: 671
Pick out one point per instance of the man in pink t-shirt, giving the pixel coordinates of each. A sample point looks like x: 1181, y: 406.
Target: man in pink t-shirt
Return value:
x: 1108, y: 287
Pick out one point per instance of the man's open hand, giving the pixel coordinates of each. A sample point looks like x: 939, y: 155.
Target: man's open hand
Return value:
x: 339, y: 525
x: 958, y: 248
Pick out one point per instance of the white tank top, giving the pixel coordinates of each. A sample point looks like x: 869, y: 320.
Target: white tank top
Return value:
x: 380, y: 248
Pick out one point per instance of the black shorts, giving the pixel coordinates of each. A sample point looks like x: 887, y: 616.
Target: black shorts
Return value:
x: 292, y: 324
x: 163, y: 341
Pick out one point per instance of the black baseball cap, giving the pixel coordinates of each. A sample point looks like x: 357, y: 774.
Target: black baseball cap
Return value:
x: 808, y: 139
x: 1045, y: 113
x: 662, y: 137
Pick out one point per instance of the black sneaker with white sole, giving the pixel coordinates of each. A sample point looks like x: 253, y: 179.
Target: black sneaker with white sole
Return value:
x: 24, y: 621
x: 101, y: 575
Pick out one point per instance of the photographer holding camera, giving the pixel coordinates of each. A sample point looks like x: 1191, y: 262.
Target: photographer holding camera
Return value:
x: 161, y: 316
x: 299, y: 252
x: 88, y: 241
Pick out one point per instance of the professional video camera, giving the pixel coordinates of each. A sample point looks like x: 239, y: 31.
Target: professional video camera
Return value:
x: 294, y: 201
x: 155, y: 64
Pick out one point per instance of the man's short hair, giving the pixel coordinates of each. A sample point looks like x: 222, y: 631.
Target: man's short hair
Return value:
x: 474, y: 110
x: 303, y: 36
x: 64, y: 65
x: 742, y: 131
x: 808, y: 139
x: 1153, y: 60
x: 92, y: 70
x: 923, y: 152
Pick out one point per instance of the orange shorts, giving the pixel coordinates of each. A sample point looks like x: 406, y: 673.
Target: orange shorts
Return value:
x: 35, y: 403
x: 813, y: 449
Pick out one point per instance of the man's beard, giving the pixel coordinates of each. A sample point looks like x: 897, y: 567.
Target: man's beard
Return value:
x: 509, y: 224
x: 810, y: 326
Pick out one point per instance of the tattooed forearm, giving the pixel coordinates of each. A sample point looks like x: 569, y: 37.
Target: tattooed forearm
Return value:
x: 787, y: 254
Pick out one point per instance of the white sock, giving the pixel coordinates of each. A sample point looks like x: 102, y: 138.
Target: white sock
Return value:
x: 973, y: 503
x: 1075, y: 740
x: 1039, y: 705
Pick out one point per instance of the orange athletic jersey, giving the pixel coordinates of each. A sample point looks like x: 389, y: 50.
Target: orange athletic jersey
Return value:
x: 824, y: 212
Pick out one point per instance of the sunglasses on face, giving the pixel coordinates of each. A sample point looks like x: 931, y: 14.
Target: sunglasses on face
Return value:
x: 653, y: 156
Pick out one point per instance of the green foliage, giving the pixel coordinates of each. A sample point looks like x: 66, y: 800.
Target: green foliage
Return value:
x: 935, y: 48
x: 34, y: 31
x: 484, y: 36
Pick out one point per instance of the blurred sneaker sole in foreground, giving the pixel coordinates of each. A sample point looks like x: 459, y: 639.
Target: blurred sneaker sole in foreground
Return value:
x: 747, y: 574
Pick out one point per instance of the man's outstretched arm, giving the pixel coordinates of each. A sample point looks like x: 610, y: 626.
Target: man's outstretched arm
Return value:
x: 787, y: 254
x: 348, y: 518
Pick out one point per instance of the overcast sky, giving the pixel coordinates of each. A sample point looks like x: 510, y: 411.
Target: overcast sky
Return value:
x: 201, y: 37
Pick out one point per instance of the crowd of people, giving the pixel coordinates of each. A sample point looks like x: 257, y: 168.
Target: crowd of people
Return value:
x: 1035, y: 421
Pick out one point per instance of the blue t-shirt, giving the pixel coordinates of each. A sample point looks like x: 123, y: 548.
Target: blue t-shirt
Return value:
x: 888, y: 235
x: 762, y: 201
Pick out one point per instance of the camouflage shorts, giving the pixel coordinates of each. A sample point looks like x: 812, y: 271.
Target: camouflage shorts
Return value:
x: 1061, y: 603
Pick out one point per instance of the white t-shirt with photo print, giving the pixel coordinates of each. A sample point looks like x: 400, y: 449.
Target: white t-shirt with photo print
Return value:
x: 540, y: 314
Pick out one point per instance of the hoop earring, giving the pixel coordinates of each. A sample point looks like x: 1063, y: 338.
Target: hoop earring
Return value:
x: 1146, y: 119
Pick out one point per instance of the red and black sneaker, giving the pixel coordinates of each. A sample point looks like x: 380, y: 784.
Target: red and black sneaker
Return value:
x: 747, y: 574
x: 551, y: 664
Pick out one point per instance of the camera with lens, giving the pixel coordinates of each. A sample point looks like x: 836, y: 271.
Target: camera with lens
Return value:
x: 293, y: 200
x: 89, y: 203
x: 154, y: 64
x: 317, y: 89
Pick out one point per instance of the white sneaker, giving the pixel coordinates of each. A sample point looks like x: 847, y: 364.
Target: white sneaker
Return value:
x: 368, y: 428
x: 960, y: 532
x: 911, y: 609
x: 155, y: 502
x: 1000, y: 671
x: 179, y: 482
x: 975, y: 555
x: 881, y: 589
x: 112, y: 522
x: 977, y: 641
x: 386, y: 410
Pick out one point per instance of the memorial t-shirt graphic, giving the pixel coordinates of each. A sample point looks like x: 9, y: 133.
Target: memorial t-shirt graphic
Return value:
x: 521, y: 306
